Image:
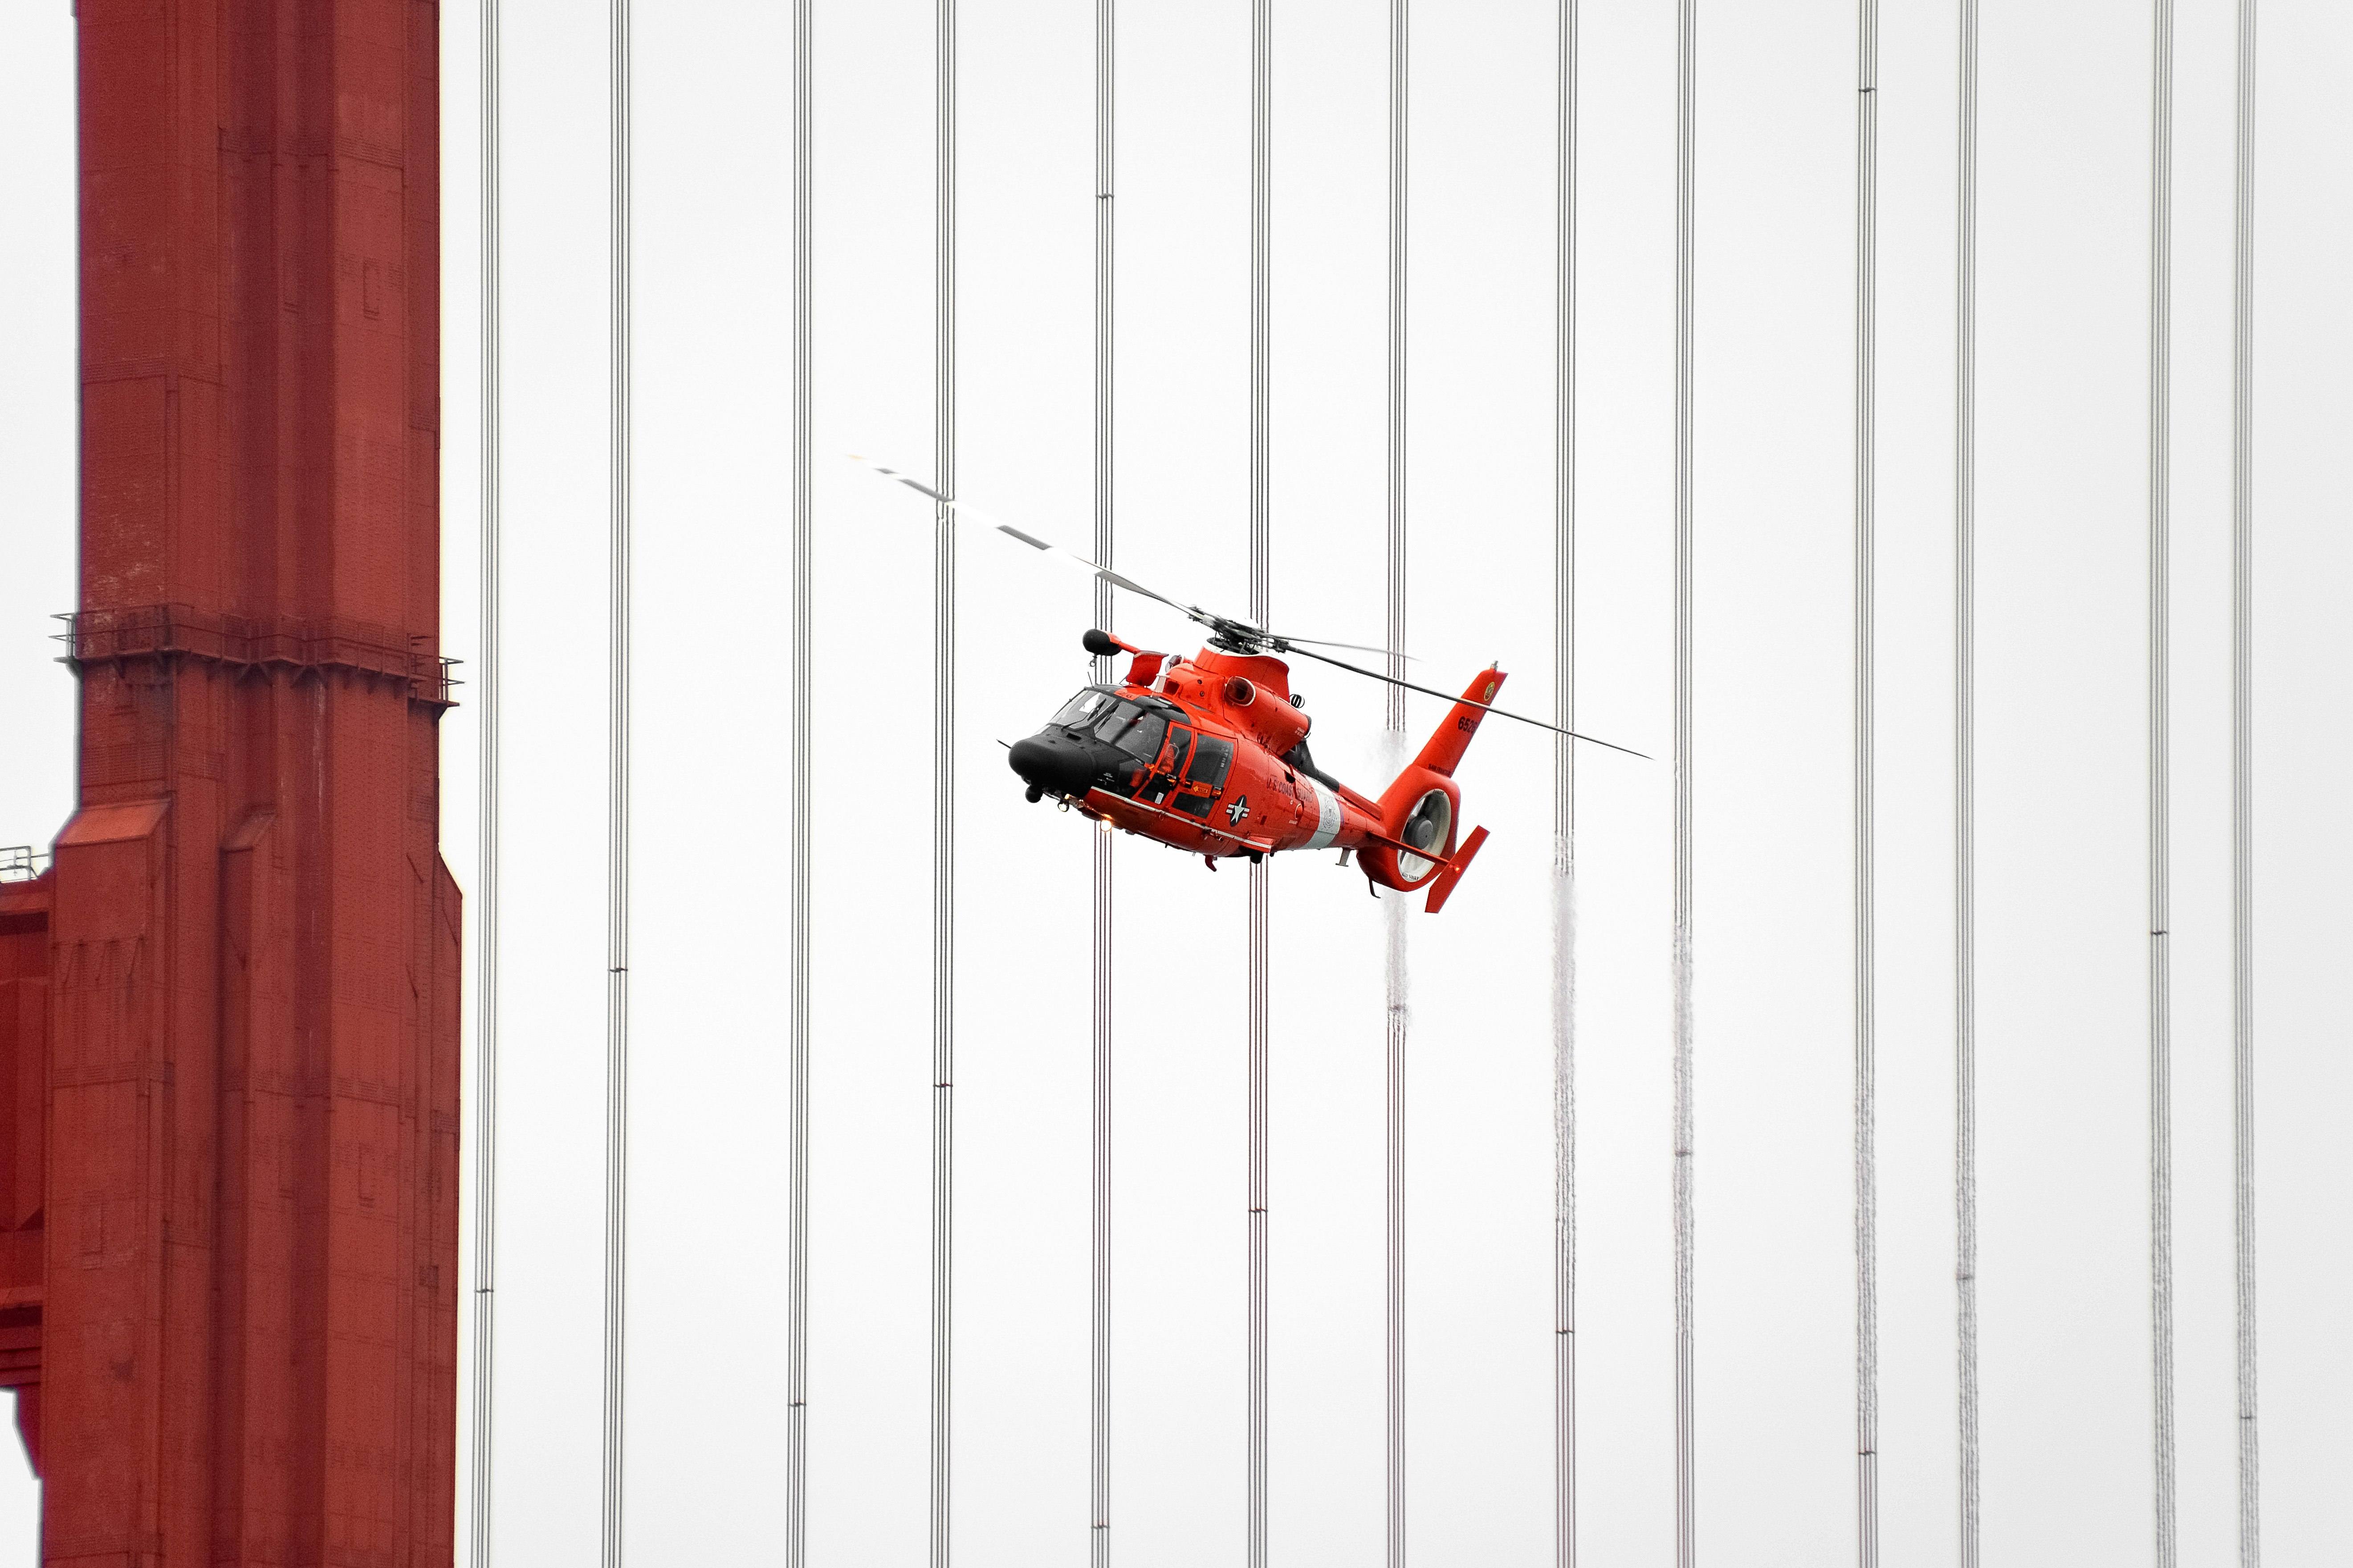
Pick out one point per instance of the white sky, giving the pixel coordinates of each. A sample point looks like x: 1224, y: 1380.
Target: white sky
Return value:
x: 2062, y: 598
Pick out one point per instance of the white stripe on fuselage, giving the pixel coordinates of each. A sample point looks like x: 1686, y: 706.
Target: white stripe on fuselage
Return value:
x: 1327, y: 816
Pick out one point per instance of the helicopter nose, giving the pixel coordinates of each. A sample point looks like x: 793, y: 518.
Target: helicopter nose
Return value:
x: 1053, y: 763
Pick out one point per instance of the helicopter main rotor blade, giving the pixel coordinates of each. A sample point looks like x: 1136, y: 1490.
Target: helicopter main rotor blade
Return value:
x: 1498, y: 712
x: 973, y: 516
x: 1322, y: 642
x: 1224, y: 626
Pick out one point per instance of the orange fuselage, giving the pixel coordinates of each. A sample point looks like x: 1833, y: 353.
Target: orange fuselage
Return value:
x: 1208, y: 755
x: 1261, y: 803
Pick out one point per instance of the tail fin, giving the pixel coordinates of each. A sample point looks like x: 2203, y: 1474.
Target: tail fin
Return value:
x: 1442, y: 753
x: 1421, y: 809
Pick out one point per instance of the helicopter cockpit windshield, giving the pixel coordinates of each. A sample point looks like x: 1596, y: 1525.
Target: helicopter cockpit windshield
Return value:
x: 1086, y: 710
x: 1106, y: 717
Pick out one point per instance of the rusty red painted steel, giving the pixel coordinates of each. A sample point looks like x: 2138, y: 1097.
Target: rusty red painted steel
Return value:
x: 239, y: 1346
x: 24, y: 1100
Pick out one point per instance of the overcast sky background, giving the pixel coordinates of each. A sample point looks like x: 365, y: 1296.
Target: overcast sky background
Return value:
x: 2062, y: 781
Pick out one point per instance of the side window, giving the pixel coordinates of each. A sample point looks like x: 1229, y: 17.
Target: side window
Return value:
x: 1211, y: 758
x: 1140, y: 739
x: 1161, y: 781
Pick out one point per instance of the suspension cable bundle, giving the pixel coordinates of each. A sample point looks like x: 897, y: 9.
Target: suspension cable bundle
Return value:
x: 2242, y: 774
x: 1563, y: 765
x: 1261, y: 135
x: 796, y: 1179
x: 1686, y: 94
x: 1100, y: 972
x: 617, y: 1088
x: 1866, y: 1090
x: 944, y: 803
x: 1965, y: 775
x: 488, y: 668
x: 2160, y: 958
x: 1394, y: 907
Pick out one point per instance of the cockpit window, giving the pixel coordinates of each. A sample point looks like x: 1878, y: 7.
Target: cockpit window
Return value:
x: 1084, y: 709
x: 1135, y: 727
x: 1134, y: 731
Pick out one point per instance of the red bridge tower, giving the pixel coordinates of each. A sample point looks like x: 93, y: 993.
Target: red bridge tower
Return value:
x: 228, y: 1013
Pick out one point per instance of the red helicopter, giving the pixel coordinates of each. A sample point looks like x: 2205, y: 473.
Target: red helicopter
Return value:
x: 1209, y: 754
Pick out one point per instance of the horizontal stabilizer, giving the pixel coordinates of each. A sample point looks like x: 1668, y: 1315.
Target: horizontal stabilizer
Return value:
x: 1463, y: 854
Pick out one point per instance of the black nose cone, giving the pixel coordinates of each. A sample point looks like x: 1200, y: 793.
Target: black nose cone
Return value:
x: 1055, y: 763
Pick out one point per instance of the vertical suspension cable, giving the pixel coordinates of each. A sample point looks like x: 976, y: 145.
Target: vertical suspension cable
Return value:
x: 1261, y: 522
x: 2160, y: 920
x: 797, y: 1178
x: 1564, y: 806
x: 617, y: 973
x: 2242, y: 774
x: 1686, y: 92
x: 1965, y: 784
x: 1099, y: 1414
x: 1866, y: 1082
x: 943, y: 795
x: 486, y: 889
x: 1394, y: 907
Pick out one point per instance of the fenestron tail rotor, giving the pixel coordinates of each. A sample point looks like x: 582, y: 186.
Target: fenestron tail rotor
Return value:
x: 1229, y: 632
